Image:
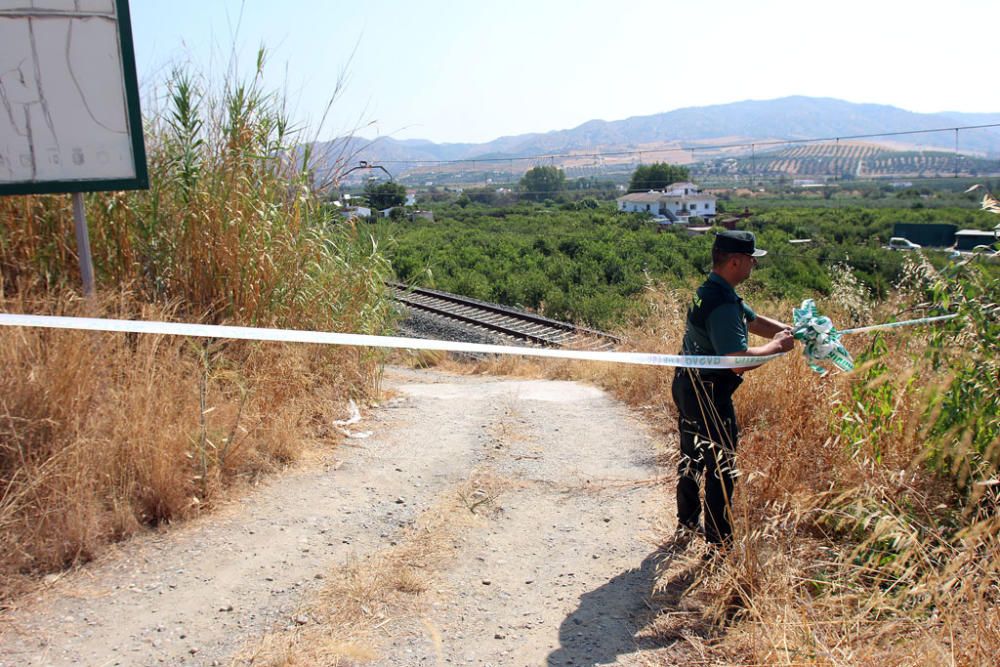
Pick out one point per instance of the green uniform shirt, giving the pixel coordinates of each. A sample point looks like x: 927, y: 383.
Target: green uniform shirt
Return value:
x: 717, y: 320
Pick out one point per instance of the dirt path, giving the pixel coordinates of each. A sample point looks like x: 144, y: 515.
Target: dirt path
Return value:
x: 558, y: 574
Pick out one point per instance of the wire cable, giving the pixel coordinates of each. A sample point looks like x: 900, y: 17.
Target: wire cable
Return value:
x: 714, y: 147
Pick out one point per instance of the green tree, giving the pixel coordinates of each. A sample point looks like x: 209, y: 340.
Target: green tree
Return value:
x: 542, y: 182
x: 487, y: 196
x: 656, y: 176
x: 385, y: 195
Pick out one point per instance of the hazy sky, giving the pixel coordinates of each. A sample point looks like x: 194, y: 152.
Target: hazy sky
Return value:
x: 473, y: 71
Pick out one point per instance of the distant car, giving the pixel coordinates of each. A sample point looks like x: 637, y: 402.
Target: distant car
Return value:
x: 899, y: 243
x: 987, y: 253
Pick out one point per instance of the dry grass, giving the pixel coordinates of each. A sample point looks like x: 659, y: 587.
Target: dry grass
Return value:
x: 380, y: 593
x: 102, y: 435
x: 849, y: 549
x: 846, y: 550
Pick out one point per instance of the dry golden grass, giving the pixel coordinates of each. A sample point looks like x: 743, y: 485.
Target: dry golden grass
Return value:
x: 380, y: 592
x: 841, y: 556
x: 103, y: 435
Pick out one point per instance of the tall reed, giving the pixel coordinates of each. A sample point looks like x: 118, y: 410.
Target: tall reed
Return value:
x: 102, y: 434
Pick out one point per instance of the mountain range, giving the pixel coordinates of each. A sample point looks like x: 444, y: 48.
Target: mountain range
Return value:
x: 792, y: 118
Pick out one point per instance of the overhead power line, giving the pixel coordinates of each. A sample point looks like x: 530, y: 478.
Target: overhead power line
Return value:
x: 747, y: 144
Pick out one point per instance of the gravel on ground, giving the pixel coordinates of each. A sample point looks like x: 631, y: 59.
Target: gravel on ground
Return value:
x: 558, y: 572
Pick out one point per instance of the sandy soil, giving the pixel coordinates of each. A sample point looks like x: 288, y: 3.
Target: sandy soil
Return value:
x: 558, y: 573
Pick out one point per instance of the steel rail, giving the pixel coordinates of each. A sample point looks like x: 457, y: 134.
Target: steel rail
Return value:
x: 500, y: 319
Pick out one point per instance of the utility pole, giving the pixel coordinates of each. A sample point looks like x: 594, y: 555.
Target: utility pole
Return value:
x: 956, y: 152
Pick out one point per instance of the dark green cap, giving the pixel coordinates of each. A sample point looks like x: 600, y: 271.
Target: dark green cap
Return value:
x: 738, y: 241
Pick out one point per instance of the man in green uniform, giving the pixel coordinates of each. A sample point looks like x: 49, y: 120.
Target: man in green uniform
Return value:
x: 718, y: 324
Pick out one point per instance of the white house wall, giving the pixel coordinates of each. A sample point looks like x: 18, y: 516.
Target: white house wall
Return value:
x: 677, y: 203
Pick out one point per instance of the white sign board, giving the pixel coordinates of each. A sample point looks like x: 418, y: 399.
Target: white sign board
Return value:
x: 69, y: 108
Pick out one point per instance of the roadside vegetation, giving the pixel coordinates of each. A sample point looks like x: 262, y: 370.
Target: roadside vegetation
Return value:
x: 584, y: 261
x: 102, y: 435
x: 869, y: 508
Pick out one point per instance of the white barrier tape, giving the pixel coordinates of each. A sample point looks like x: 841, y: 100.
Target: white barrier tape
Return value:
x: 904, y: 323
x: 329, y: 338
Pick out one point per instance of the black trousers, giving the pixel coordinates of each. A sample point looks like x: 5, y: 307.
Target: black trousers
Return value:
x: 708, y: 432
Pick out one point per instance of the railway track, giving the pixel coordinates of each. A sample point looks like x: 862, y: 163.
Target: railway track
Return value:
x: 508, y: 322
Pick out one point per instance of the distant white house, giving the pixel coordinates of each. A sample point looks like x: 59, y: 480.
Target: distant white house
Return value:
x: 678, y: 201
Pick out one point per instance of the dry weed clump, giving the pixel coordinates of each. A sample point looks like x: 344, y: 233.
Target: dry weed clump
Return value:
x: 77, y: 463
x: 104, y: 434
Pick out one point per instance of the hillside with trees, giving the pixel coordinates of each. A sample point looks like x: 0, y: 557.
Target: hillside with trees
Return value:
x: 844, y: 161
